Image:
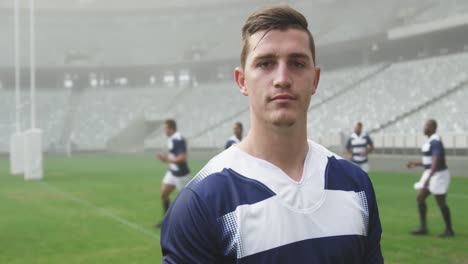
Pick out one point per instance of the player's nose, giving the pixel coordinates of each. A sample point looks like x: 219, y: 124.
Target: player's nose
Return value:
x: 282, y: 78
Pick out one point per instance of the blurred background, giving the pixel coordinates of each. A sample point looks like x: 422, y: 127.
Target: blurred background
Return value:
x: 109, y: 72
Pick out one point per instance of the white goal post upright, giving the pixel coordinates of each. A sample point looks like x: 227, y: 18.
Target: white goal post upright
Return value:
x: 33, y: 169
x: 17, y: 154
x: 17, y: 138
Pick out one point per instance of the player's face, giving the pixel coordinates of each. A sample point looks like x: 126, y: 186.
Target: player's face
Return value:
x: 237, y: 131
x: 428, y: 128
x: 358, y: 129
x: 279, y: 76
x: 168, y: 130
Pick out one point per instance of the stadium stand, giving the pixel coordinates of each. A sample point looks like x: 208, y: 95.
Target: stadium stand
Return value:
x: 204, y: 108
x: 440, y: 9
x: 381, y: 13
x: 335, y: 83
x: 399, y: 88
x: 50, y: 117
x: 388, y: 97
x: 372, y: 94
x: 146, y: 39
x: 450, y: 111
x: 103, y: 113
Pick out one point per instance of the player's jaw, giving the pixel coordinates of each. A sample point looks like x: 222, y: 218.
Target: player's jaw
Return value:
x: 284, y: 109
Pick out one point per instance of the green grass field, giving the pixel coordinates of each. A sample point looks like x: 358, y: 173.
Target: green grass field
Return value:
x: 101, y: 209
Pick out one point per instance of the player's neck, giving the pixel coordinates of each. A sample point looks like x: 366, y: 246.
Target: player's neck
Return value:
x: 286, y: 150
x: 169, y: 135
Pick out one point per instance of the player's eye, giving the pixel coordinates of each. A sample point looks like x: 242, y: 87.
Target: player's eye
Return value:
x: 264, y: 64
x: 298, y: 64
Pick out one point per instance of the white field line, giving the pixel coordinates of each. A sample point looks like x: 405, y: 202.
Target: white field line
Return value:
x: 102, y: 211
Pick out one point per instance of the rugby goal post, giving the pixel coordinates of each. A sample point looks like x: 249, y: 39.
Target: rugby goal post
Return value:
x: 17, y: 154
x: 33, y: 169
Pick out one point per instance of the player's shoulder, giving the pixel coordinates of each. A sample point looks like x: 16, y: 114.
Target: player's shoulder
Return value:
x: 342, y: 174
x: 222, y: 188
x: 177, y: 138
x: 230, y: 142
x: 345, y: 175
x: 229, y: 187
x: 217, y: 167
x: 229, y: 167
x: 318, y: 149
x: 435, y: 138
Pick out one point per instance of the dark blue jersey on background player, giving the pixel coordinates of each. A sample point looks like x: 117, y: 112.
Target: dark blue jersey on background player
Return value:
x: 237, y: 130
x: 178, y: 174
x: 358, y: 147
x: 434, y: 180
x: 276, y: 197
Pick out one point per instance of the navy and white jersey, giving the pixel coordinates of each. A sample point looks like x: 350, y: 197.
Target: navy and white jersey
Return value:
x: 231, y: 141
x: 176, y: 145
x: 357, y: 145
x: 241, y: 209
x: 433, y: 147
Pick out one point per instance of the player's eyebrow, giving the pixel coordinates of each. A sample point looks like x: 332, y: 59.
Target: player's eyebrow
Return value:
x: 273, y: 56
x: 265, y: 57
x: 299, y: 56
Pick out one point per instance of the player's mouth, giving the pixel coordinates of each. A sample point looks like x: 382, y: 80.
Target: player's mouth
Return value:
x: 283, y: 98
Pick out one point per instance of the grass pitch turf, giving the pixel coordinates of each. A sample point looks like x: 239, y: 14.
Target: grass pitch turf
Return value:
x: 102, y: 208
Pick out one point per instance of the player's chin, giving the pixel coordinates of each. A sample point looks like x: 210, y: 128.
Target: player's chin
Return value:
x: 284, y: 119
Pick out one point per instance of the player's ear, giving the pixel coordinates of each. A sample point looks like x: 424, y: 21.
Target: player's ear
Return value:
x: 240, y: 80
x: 316, y: 80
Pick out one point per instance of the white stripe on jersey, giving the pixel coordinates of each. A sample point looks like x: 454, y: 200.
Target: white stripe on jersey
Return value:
x: 342, y: 213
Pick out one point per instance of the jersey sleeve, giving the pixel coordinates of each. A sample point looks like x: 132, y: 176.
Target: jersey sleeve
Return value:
x: 374, y: 252
x: 369, y: 141
x: 179, y: 147
x: 187, y: 234
x: 436, y: 148
x: 228, y: 144
x: 348, y: 144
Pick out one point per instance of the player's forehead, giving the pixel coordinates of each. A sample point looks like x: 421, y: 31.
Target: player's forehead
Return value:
x: 277, y: 43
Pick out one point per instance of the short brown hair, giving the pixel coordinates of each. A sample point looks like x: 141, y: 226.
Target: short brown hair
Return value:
x: 280, y: 17
x: 239, y: 124
x: 171, y: 123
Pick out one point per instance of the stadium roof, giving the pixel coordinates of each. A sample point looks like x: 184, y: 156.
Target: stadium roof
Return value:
x: 112, y: 5
x: 106, y: 4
